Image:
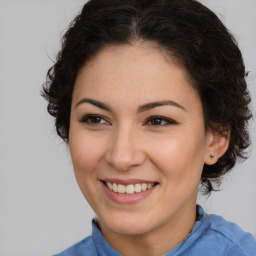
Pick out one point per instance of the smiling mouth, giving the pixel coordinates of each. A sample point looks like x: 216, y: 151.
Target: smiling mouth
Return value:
x: 130, y: 188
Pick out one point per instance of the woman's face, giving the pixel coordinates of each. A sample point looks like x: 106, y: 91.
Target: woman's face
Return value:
x: 137, y: 128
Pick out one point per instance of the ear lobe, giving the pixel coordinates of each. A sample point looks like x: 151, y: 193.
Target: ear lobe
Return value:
x: 217, y: 145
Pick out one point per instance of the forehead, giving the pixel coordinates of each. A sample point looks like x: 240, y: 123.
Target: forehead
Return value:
x: 138, y: 72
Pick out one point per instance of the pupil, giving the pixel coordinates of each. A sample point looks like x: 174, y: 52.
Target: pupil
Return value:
x: 156, y: 121
x: 95, y: 120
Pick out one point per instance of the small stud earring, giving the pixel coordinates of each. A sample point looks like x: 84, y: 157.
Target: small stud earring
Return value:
x: 212, y: 155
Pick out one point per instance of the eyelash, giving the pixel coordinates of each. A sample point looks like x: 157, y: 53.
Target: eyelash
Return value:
x: 90, y: 117
x: 161, y: 119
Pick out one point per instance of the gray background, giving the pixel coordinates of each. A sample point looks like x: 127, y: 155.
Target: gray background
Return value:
x: 42, y: 210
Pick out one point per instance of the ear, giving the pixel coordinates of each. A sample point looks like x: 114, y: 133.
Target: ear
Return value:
x: 217, y: 144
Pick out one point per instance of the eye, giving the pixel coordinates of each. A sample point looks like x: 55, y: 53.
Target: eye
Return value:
x: 160, y: 121
x: 94, y: 120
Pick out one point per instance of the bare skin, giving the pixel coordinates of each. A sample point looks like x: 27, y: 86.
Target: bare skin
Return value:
x: 117, y: 131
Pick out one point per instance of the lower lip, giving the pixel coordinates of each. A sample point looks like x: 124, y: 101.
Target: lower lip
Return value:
x: 127, y: 198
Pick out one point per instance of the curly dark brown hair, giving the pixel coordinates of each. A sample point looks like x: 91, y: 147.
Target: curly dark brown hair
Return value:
x: 190, y: 33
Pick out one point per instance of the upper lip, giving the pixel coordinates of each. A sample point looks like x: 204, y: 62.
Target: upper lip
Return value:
x: 128, y: 181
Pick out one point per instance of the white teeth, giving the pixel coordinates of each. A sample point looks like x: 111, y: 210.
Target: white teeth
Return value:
x: 137, y: 188
x: 129, y: 189
x: 121, y: 189
x: 149, y: 185
x: 115, y: 188
x: 110, y: 185
x: 144, y: 186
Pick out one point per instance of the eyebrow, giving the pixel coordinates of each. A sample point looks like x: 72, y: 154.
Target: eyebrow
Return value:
x: 151, y: 105
x: 141, y: 108
x: 95, y: 103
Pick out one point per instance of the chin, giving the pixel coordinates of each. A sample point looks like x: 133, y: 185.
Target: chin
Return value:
x: 127, y: 225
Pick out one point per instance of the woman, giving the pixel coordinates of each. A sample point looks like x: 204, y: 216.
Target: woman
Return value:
x: 151, y: 98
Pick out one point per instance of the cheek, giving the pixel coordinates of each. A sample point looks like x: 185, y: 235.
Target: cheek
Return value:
x: 86, y: 152
x: 180, y: 157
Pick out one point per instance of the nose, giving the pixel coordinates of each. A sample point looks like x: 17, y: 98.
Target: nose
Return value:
x: 125, y: 150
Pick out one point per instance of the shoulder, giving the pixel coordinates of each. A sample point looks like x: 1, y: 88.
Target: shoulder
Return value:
x: 91, y: 246
x: 79, y: 249
x: 231, y: 237
x: 217, y: 236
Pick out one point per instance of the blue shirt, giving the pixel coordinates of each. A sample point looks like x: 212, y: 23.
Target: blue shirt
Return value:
x: 212, y: 235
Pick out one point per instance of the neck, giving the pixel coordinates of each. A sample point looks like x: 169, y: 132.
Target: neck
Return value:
x: 155, y: 242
